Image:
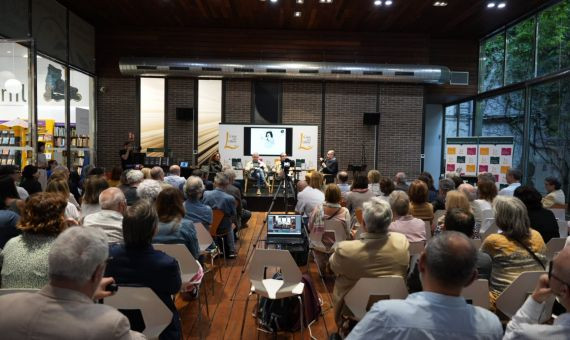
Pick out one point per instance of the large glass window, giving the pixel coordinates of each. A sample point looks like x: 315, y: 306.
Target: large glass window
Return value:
x: 549, y: 153
x: 520, y: 52
x: 15, y: 109
x: 503, y: 116
x: 459, y: 120
x: 267, y: 102
x: 491, y: 63
x: 553, y: 40
x: 81, y: 119
x: 451, y: 121
x: 152, y: 115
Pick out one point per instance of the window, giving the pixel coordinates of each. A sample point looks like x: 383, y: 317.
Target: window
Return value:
x: 491, y: 63
x: 152, y: 115
x: 503, y: 116
x: 520, y: 52
x: 451, y: 121
x: 267, y: 99
x: 459, y: 120
x: 549, y: 142
x: 553, y: 40
x: 209, y: 117
x: 82, y: 121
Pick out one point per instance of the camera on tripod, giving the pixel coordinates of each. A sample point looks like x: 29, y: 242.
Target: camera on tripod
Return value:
x: 286, y: 165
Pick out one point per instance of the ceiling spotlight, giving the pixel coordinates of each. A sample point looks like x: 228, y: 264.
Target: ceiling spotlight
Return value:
x: 440, y: 4
x: 378, y: 3
x: 388, y: 2
x: 299, y: 1
x: 490, y: 5
x: 297, y: 14
x: 325, y: 1
x: 273, y: 0
x: 501, y: 5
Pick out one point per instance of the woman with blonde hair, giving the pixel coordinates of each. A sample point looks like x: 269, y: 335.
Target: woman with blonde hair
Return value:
x: 316, y: 180
x: 24, y: 259
x: 454, y: 199
x: 374, y: 182
x: 146, y: 173
x: 59, y: 186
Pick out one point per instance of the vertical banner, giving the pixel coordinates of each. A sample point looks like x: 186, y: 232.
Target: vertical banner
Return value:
x: 209, y: 116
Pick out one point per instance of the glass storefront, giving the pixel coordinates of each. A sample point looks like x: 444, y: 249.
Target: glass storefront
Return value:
x: 81, y: 119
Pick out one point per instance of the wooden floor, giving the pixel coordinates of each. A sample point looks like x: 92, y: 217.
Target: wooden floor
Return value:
x: 226, y: 305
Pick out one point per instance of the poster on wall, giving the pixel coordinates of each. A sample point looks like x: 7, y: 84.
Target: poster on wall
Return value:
x: 496, y: 159
x: 461, y: 156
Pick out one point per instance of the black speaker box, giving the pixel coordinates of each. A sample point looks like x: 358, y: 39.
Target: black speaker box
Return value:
x: 185, y: 113
x: 371, y: 118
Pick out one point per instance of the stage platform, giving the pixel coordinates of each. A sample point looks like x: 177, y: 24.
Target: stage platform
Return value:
x: 263, y: 202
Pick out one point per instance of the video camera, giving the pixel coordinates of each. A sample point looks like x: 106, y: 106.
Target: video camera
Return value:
x: 286, y: 165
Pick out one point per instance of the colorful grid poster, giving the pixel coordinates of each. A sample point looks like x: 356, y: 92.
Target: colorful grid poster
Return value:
x: 496, y: 159
x: 461, y: 158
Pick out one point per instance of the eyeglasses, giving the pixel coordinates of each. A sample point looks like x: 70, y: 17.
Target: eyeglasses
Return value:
x: 550, y: 275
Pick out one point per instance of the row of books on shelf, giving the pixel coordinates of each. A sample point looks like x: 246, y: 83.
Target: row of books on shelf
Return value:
x: 76, y: 142
x: 8, y: 138
x: 10, y: 157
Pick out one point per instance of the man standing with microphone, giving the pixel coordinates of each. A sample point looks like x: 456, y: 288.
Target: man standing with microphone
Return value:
x: 329, y: 167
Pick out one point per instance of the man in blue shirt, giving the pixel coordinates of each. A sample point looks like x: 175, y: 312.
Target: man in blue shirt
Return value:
x: 439, y: 312
x: 218, y: 199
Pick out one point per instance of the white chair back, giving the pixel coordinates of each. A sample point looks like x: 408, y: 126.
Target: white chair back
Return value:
x: 155, y: 313
x: 416, y: 248
x: 188, y: 264
x: 487, y: 213
x: 487, y: 228
x: 358, y: 298
x: 428, y: 230
x: 203, y: 235
x: 562, y: 228
x: 5, y: 291
x: 263, y: 258
x: 516, y: 294
x: 560, y: 214
x: 477, y: 293
x: 554, y: 246
x: 336, y: 227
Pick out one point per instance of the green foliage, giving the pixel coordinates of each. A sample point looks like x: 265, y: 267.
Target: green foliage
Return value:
x: 491, y: 63
x: 553, y: 39
x: 520, y: 52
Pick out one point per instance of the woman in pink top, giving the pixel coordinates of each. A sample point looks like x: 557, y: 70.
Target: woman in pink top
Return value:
x: 413, y: 228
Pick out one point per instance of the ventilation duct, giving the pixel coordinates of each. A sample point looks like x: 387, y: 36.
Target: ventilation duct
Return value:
x: 425, y: 74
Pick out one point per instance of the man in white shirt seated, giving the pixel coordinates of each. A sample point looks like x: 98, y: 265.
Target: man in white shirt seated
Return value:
x: 524, y: 325
x: 64, y: 308
x: 257, y: 170
x: 555, y: 194
x: 514, y: 177
x: 343, y: 183
x: 446, y: 266
x: 174, y: 177
x: 307, y: 198
x: 110, y: 218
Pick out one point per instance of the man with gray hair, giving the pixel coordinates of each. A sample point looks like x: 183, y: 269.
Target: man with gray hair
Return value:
x: 513, y: 178
x: 134, y: 178
x: 445, y: 185
x: 377, y: 253
x: 149, y: 190
x: 174, y: 177
x: 220, y: 200
x: 157, y: 174
x: 110, y: 218
x: 243, y: 215
x: 64, y: 308
x: 257, y: 171
x: 446, y: 266
x: 400, y: 182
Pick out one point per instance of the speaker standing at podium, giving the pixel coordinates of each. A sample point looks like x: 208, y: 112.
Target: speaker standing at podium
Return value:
x: 329, y: 167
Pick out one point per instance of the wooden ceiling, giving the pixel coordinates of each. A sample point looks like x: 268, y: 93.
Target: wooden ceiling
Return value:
x: 459, y: 19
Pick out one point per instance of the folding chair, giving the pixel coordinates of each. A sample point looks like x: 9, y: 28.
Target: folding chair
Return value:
x: 218, y: 216
x: 477, y: 293
x: 516, y: 294
x: 273, y: 289
x: 428, y: 230
x: 189, y: 267
x: 5, y: 291
x: 559, y: 211
x: 155, y: 314
x: 487, y: 228
x: 554, y: 246
x: 205, y: 240
x: 562, y: 228
x: 416, y: 248
x: 332, y: 227
x: 367, y: 290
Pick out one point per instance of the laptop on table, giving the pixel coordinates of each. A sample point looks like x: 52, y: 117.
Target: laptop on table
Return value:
x: 284, y: 229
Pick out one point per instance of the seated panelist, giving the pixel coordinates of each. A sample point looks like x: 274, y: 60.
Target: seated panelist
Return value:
x: 257, y: 170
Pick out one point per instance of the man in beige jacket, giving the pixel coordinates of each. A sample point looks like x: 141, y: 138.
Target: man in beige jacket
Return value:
x: 64, y: 308
x: 377, y: 253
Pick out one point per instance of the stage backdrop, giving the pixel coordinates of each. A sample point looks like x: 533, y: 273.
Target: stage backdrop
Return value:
x: 305, y: 142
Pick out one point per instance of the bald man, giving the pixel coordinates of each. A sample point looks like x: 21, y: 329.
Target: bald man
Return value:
x: 174, y: 177
x: 524, y: 325
x: 110, y: 218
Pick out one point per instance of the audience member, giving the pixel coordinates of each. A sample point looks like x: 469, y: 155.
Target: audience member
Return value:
x: 62, y: 173
x: 137, y: 262
x: 74, y: 186
x: 445, y: 185
x: 343, y: 183
x: 486, y: 176
x: 196, y: 211
x: 146, y: 173
x: 477, y: 206
x: 427, y: 178
x: 149, y: 190
x: 517, y: 249
x: 486, y: 191
x: 208, y: 185
x: 14, y: 172
x: 454, y: 176
x: 513, y: 177
x: 110, y: 218
x: 413, y: 228
x: 555, y: 195
x: 454, y: 199
x: 8, y: 217
x: 377, y: 253
x: 419, y: 204
x: 157, y: 174
x: 134, y: 178
x: 386, y: 186
x: 64, y: 308
x: 316, y: 180
x: 218, y: 199
x: 24, y: 257
x: 30, y: 182
x: 174, y: 177
x: 93, y: 187
x: 400, y: 182
x: 359, y: 194
x: 524, y: 324
x: 214, y: 165
x: 308, y: 198
x: 257, y: 170
x: 439, y: 312
x: 115, y: 179
x: 541, y: 219
x: 9, y: 198
x: 173, y: 228
x: 243, y: 215
x: 323, y: 216
x: 59, y: 186
x: 374, y: 182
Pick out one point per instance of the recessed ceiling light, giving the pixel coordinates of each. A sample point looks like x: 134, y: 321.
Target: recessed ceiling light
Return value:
x: 299, y: 1
x: 325, y: 1
x: 388, y: 2
x: 490, y: 5
x: 297, y: 14
x: 501, y: 5
x: 440, y: 4
x: 377, y: 2
x: 273, y: 0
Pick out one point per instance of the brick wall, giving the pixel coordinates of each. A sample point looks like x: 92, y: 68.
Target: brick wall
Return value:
x: 180, y: 133
x: 238, y: 101
x: 302, y: 104
x: 117, y: 111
